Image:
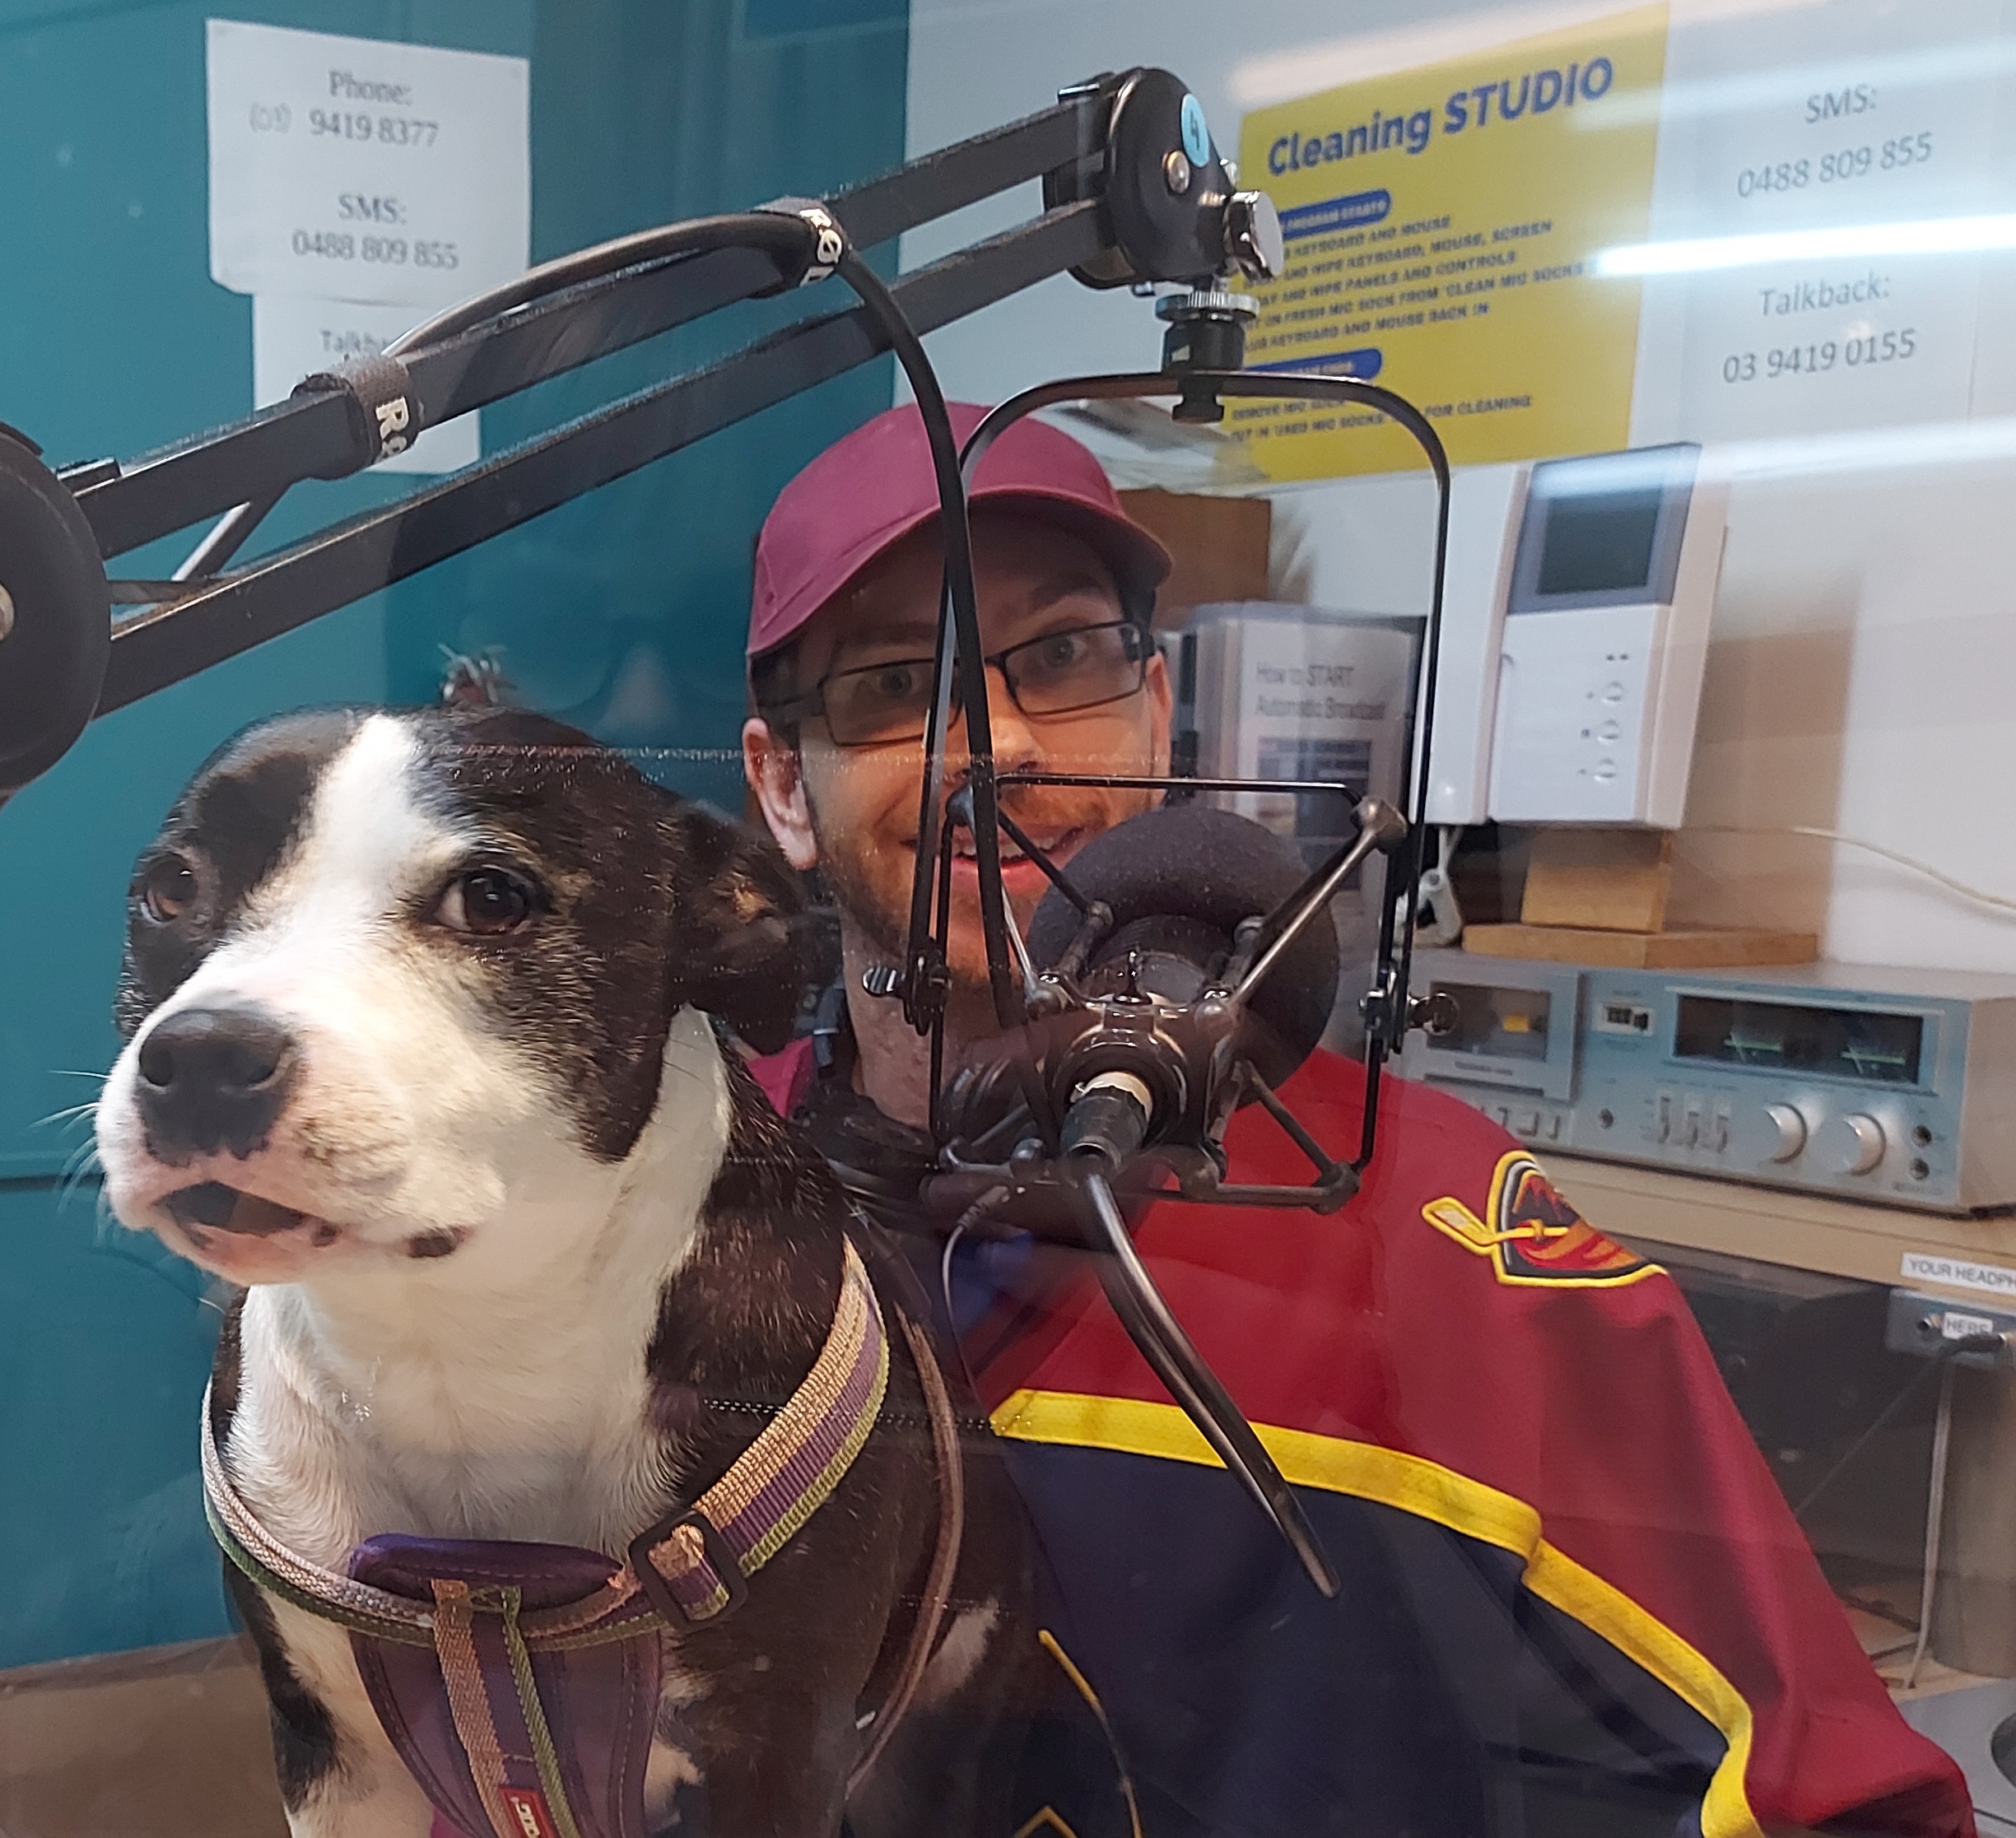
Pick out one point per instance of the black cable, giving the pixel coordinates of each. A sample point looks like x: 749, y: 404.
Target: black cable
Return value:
x: 1951, y: 1349
x: 958, y: 542
x: 790, y: 234
x: 784, y: 234
x: 777, y: 231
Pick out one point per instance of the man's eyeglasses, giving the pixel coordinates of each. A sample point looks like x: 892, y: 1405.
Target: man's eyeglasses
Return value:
x: 1059, y: 674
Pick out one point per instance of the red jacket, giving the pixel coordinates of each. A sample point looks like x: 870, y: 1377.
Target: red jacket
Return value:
x: 1459, y: 1361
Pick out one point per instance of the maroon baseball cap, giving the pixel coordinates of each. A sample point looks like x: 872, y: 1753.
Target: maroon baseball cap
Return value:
x: 874, y: 487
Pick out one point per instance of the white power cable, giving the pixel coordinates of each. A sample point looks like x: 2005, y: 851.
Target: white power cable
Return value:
x: 1436, y: 892
x: 2001, y: 902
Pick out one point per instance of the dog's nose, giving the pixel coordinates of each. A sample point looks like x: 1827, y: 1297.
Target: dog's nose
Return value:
x: 214, y: 1078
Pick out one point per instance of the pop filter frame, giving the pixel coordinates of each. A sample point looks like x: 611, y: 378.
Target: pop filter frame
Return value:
x: 1042, y: 1161
x: 924, y: 983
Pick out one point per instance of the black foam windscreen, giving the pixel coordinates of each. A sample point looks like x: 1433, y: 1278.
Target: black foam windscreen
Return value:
x: 1179, y: 880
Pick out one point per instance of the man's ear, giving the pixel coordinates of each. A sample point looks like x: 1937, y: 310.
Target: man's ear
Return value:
x: 776, y: 775
x: 747, y: 950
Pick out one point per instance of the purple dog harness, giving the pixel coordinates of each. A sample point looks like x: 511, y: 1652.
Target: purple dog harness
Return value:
x: 520, y: 1682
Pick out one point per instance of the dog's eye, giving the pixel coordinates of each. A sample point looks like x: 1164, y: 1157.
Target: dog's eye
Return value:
x: 168, y: 889
x: 488, y: 901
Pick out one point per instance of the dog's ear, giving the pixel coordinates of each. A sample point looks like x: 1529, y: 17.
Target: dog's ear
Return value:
x: 747, y: 950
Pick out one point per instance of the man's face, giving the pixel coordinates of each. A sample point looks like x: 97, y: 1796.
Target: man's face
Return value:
x: 852, y: 811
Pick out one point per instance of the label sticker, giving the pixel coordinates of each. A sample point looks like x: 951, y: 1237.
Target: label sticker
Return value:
x: 1956, y: 1326
x: 1959, y: 1273
x: 364, y: 170
x: 528, y: 1806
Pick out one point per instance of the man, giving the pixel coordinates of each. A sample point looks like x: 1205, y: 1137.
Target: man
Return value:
x: 1573, y: 1598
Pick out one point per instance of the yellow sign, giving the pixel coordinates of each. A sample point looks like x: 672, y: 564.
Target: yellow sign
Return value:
x: 1442, y: 229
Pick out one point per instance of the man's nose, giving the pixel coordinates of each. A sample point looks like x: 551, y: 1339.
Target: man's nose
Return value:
x: 1015, y: 746
x: 214, y: 1078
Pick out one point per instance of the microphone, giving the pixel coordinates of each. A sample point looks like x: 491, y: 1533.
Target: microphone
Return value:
x: 1181, y: 964
x: 1179, y: 881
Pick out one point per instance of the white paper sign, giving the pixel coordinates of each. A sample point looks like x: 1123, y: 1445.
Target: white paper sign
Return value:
x: 1792, y: 141
x: 293, y: 338
x: 362, y: 170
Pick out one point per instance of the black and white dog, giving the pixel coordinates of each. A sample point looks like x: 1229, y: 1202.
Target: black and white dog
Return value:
x: 420, y: 1053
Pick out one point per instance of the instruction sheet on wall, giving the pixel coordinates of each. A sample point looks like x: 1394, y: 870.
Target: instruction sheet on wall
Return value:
x: 1683, y: 222
x: 356, y: 184
x: 1442, y: 227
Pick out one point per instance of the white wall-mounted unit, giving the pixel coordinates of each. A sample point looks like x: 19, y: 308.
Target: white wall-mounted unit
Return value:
x: 1605, y: 638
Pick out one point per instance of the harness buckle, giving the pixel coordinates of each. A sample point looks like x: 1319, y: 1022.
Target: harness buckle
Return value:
x: 720, y: 1556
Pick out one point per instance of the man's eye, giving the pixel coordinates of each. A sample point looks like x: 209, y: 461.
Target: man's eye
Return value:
x: 168, y: 889
x: 1062, y: 652
x: 895, y: 682
x: 488, y: 902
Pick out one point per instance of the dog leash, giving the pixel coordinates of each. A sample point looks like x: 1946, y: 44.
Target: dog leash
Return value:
x: 937, y: 1597
x: 492, y: 1636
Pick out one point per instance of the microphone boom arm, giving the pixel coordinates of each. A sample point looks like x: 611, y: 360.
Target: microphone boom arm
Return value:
x: 1107, y: 217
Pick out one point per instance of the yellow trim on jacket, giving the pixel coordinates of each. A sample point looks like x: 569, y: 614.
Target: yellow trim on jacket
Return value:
x: 1365, y: 1471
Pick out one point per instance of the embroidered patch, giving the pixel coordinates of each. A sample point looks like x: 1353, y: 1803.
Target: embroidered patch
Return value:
x: 1532, y: 1235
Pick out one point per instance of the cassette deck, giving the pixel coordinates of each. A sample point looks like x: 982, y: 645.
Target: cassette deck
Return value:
x: 1890, y: 1085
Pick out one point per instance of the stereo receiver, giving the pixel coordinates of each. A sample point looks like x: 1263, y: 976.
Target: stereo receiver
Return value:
x: 1891, y: 1085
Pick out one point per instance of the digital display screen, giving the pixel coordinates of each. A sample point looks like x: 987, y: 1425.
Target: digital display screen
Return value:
x: 1863, y: 1045
x: 1602, y: 542
x: 1495, y: 1023
x: 1603, y: 529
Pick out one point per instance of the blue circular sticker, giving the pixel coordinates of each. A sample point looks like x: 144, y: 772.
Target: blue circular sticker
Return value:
x: 1196, y: 132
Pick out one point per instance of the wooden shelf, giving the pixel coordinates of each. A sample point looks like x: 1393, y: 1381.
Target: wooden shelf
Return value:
x: 1706, y: 947
x: 1840, y: 1237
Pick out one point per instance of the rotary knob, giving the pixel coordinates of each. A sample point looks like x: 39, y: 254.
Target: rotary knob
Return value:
x: 1777, y: 1132
x: 1849, y: 1145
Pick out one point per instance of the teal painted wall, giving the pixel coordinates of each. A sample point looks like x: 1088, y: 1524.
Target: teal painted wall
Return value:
x: 623, y: 613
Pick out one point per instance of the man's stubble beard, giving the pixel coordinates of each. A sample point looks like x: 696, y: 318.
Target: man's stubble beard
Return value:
x: 850, y: 877
x: 872, y: 890
x: 873, y: 887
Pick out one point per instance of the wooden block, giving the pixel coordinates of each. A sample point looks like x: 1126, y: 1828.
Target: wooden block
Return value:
x: 1723, y: 948
x: 1614, y: 879
x: 1219, y: 547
